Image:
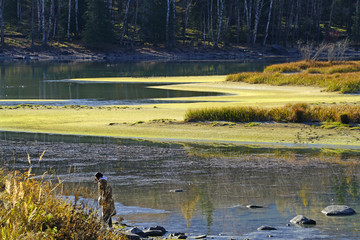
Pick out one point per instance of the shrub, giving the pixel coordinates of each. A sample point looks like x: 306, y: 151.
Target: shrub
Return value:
x: 32, y: 210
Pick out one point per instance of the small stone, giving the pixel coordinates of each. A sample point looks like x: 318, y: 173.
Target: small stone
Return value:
x: 178, y: 235
x: 177, y: 190
x: 200, y: 237
x: 300, y: 219
x: 253, y: 206
x: 338, y: 210
x: 266, y: 228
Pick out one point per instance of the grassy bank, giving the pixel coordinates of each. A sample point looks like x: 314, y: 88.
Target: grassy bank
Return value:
x: 31, y: 209
x: 165, y: 121
x: 340, y: 77
x: 290, y: 113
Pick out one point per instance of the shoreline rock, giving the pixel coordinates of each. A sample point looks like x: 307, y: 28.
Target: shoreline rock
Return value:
x: 338, y: 210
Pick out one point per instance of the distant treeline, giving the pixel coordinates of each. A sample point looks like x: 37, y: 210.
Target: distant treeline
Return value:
x: 195, y: 23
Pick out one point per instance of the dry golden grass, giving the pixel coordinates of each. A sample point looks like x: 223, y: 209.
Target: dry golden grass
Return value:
x: 31, y: 209
x: 340, y: 77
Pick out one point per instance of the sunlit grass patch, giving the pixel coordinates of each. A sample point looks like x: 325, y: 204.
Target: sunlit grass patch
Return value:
x: 340, y: 77
x: 300, y: 112
x: 32, y: 209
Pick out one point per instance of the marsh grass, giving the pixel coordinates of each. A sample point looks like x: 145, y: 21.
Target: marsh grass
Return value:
x: 343, y: 77
x: 32, y: 209
x: 300, y: 113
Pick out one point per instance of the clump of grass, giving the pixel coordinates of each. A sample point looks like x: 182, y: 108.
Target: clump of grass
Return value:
x: 30, y: 209
x: 300, y: 112
x: 343, y: 77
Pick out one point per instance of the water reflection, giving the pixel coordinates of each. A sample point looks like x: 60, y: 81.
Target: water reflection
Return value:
x: 36, y: 80
x: 218, y: 182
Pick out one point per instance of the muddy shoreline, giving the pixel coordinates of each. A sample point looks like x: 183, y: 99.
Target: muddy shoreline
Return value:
x: 9, y: 54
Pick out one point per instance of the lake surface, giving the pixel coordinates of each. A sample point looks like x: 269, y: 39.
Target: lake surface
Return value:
x: 217, y: 182
x: 29, y: 82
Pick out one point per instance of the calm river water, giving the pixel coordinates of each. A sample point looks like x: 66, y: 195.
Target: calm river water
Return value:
x: 217, y: 181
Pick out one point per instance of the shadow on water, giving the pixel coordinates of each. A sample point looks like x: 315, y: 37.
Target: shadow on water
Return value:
x: 217, y: 182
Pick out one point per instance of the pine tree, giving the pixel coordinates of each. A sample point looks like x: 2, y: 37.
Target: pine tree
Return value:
x: 98, y: 27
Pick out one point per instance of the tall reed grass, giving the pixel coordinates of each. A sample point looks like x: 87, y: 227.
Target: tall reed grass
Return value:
x: 31, y: 209
x: 343, y: 77
x: 299, y: 112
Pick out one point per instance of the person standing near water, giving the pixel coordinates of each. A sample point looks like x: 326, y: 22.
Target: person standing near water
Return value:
x: 105, y: 199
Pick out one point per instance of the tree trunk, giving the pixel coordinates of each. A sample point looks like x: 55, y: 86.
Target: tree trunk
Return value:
x: 18, y: 8
x: 111, y: 12
x: 173, y: 23
x: 268, y: 23
x: 76, y: 17
x: 38, y: 3
x: 331, y: 14
x: 32, y: 23
x: 248, y: 10
x: 2, y: 2
x: 211, y: 21
x: 187, y: 13
x: 279, y: 24
x: 167, y: 22
x: 125, y: 22
x: 135, y: 23
x: 204, y: 30
x: 238, y: 25
x: 44, y: 43
x: 289, y: 22
x: 51, y: 16
x: 259, y: 5
x: 220, y: 22
x: 69, y: 20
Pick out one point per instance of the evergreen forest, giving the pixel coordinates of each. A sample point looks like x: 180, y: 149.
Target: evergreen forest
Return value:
x: 181, y: 23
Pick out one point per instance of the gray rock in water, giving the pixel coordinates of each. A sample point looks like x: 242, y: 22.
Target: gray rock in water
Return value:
x: 301, y: 219
x: 154, y: 233
x: 253, y: 206
x: 136, y: 231
x: 266, y: 228
x: 158, y: 228
x: 338, y: 210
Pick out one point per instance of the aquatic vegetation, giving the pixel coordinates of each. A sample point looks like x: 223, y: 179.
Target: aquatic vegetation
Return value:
x: 300, y: 112
x: 31, y: 209
x: 333, y: 76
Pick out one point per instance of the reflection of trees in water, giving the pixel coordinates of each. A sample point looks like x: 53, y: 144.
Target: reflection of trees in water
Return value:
x: 345, y: 184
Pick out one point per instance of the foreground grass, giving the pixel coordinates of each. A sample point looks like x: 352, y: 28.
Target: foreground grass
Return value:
x: 30, y: 209
x: 289, y: 113
x: 340, y: 77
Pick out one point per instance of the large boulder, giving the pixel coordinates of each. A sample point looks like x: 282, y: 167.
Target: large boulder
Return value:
x: 338, y: 210
x: 302, y: 220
